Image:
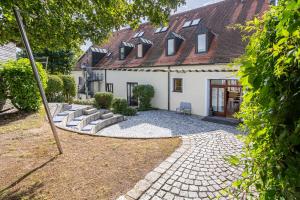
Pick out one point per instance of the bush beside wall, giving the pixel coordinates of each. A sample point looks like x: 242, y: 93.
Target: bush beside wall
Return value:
x: 103, y: 100
x: 54, y: 91
x: 121, y: 106
x: 69, y: 89
x: 144, y: 93
x: 20, y: 84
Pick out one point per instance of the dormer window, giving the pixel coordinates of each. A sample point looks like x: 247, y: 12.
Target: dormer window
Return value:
x: 140, y: 50
x: 97, y: 54
x: 201, y: 43
x: 143, y: 47
x: 173, y: 43
x: 171, y: 47
x: 138, y: 34
x: 122, y: 53
x: 124, y: 49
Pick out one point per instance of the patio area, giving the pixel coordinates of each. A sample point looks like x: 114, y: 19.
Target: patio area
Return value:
x: 159, y: 123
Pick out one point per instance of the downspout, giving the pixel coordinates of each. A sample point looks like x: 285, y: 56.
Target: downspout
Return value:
x: 105, y: 80
x: 169, y: 88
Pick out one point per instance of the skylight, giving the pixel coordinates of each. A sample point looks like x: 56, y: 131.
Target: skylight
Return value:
x: 187, y: 24
x: 191, y: 23
x: 195, y: 22
x: 138, y: 34
x: 161, y: 29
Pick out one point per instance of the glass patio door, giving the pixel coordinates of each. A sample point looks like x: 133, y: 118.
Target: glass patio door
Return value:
x: 218, y: 100
x: 132, y: 101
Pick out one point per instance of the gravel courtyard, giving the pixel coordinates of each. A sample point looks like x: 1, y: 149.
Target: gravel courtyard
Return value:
x: 159, y: 123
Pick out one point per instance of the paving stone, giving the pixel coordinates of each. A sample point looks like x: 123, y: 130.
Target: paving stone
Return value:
x: 199, y: 173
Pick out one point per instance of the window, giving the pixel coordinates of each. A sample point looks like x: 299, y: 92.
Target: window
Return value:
x: 187, y: 24
x: 195, y: 22
x: 138, y: 34
x: 109, y: 87
x: 161, y: 29
x: 201, y: 43
x: 171, y: 47
x: 177, y: 85
x: 80, y: 81
x: 140, y: 50
x: 122, y: 53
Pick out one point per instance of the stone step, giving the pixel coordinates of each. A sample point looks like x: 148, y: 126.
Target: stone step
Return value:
x: 80, y: 117
x: 73, y: 123
x: 96, y: 122
x: 58, y: 119
x: 90, y: 111
x: 107, y: 122
x: 107, y: 115
x: 88, y: 127
x: 65, y: 113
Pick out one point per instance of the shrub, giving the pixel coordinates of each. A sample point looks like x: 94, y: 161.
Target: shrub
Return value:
x: 270, y: 74
x: 121, y: 106
x: 84, y: 101
x: 144, y: 93
x: 21, y: 86
x: 103, y: 99
x: 54, y: 89
x: 69, y: 89
x: 3, y: 95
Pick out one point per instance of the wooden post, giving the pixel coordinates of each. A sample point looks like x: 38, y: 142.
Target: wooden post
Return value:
x: 36, y: 75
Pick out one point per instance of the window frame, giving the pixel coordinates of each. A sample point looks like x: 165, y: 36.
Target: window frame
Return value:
x: 137, y: 52
x: 174, y: 85
x: 174, y: 50
x: 197, y: 43
x: 107, y: 87
x: 122, y: 58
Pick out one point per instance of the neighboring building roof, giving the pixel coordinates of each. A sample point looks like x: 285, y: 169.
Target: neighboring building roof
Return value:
x: 7, y: 52
x: 225, y: 45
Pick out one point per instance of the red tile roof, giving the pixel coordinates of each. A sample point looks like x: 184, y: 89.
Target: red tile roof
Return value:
x: 226, y: 43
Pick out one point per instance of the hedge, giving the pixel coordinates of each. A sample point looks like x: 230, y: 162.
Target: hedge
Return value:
x: 69, y: 89
x: 144, y: 93
x: 54, y: 91
x: 103, y: 100
x: 121, y: 106
x: 20, y: 84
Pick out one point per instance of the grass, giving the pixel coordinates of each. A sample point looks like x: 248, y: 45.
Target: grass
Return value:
x: 90, y: 168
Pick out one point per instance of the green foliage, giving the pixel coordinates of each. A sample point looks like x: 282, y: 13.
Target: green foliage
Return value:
x: 59, y: 61
x: 21, y: 86
x: 84, y: 101
x: 103, y: 99
x: 69, y: 89
x: 121, y: 106
x: 58, y: 24
x: 270, y: 74
x: 54, y: 91
x: 144, y: 93
x: 3, y: 95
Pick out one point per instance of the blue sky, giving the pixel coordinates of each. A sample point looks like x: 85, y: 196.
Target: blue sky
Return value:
x: 190, y: 4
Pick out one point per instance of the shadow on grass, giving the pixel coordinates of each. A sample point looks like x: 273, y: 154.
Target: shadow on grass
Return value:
x: 6, y: 193
x: 6, y: 118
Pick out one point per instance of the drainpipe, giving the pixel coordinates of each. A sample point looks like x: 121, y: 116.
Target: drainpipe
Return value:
x: 169, y: 88
x: 105, y: 80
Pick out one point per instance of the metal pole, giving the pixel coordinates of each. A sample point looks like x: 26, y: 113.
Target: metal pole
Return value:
x: 36, y: 75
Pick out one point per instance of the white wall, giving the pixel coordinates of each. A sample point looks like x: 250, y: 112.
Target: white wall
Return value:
x: 195, y: 85
x: 159, y: 80
x: 7, y: 52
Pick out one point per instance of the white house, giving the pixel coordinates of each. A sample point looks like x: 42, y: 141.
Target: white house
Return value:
x: 186, y: 61
x: 7, y: 52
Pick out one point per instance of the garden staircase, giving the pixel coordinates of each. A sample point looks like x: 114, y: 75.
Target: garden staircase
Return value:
x: 85, y: 119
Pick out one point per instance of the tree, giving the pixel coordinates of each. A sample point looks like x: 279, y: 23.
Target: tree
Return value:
x: 58, y: 24
x: 59, y: 61
x: 270, y: 74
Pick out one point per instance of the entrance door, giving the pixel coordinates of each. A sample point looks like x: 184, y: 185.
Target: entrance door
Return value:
x: 132, y: 101
x: 225, y: 97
